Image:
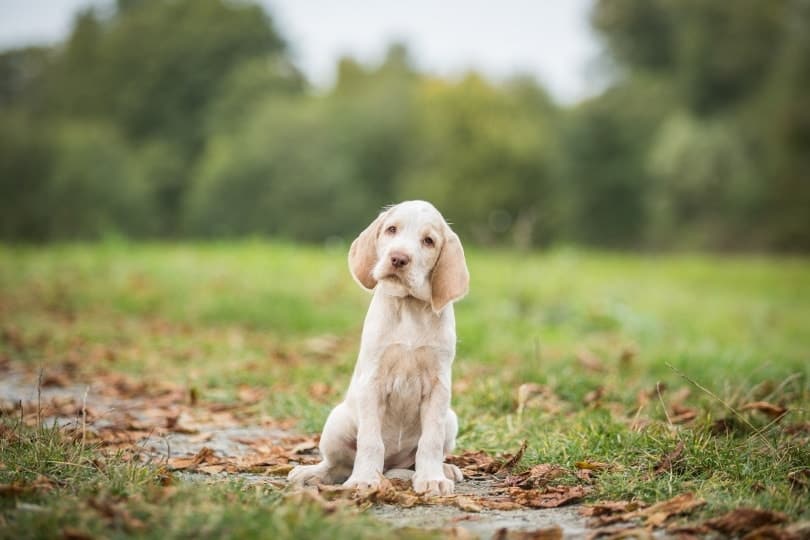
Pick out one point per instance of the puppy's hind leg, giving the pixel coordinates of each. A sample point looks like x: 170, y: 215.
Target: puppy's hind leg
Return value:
x: 338, y: 445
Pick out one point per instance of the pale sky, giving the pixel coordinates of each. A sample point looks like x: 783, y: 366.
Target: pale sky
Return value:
x: 549, y: 39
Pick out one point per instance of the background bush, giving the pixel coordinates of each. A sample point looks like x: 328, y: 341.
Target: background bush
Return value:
x: 170, y: 118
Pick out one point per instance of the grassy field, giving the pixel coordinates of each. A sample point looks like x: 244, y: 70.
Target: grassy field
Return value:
x: 623, y: 358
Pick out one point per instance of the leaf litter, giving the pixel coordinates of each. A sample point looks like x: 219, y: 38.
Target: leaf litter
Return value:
x: 131, y: 411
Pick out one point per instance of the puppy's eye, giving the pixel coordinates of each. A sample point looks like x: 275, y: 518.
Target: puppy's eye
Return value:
x: 428, y: 241
x: 391, y: 230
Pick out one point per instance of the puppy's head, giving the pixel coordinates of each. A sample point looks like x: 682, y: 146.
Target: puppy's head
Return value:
x: 410, y: 250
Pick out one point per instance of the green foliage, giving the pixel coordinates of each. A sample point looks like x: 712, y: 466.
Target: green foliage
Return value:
x: 203, y: 127
x: 487, y: 157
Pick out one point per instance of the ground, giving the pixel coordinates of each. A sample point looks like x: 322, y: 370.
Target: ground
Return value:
x: 185, y: 380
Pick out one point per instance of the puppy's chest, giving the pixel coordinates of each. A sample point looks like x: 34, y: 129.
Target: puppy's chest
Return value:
x: 405, y: 375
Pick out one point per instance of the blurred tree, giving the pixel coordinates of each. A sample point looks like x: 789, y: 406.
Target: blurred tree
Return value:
x: 26, y: 162
x: 705, y: 191
x: 487, y: 158
x: 280, y: 175
x: 606, y: 141
x: 740, y: 74
x: 154, y: 67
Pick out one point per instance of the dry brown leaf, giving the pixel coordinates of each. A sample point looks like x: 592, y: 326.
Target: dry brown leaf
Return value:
x: 606, y: 508
x: 745, y: 520
x: 538, y: 396
x: 514, y: 460
x: 592, y: 397
x: 774, y: 411
x: 658, y: 513
x: 590, y: 361
x: 772, y: 532
x: 682, y: 415
x: 615, y: 532
x: 670, y: 460
x: 653, y: 516
x: 71, y: 533
x: 204, y: 456
x: 250, y: 394
x: 799, y: 479
x: 538, y: 476
x: 478, y: 462
x: 56, y: 379
x: 116, y: 513
x: 496, y: 503
x: 467, y: 504
x: 279, y: 470
x: 551, y: 497
x: 39, y: 484
x: 550, y: 533
x: 319, y: 390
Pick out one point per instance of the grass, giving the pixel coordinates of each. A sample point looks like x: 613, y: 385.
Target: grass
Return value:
x: 599, y: 331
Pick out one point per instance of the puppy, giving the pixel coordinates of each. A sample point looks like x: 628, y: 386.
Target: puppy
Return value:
x: 396, y: 416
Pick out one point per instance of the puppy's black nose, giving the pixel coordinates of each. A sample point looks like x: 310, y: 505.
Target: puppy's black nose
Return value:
x: 398, y: 260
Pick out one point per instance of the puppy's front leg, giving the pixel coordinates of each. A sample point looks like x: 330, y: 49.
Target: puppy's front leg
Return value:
x: 370, y: 456
x: 429, y: 477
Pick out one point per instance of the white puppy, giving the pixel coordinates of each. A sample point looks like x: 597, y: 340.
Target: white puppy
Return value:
x: 397, y: 414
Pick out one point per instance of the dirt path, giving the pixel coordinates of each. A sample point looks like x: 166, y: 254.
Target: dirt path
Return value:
x: 213, y: 442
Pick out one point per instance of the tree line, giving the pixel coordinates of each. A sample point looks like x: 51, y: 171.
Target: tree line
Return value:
x: 186, y: 118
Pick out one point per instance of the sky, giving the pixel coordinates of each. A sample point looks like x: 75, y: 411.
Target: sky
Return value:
x: 549, y: 39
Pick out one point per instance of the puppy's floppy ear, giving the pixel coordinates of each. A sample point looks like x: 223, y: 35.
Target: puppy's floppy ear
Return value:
x: 363, y: 253
x: 450, y: 280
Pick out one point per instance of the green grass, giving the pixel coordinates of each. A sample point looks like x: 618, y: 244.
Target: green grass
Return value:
x: 212, y: 316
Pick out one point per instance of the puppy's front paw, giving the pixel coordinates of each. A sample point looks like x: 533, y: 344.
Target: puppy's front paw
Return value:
x: 440, y: 485
x: 363, y: 482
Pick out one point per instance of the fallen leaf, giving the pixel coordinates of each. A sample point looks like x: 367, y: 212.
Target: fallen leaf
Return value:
x: 71, y: 533
x: 537, y: 396
x: 682, y: 415
x: 590, y: 361
x: 514, y: 460
x: 496, y: 503
x: 744, y: 520
x: 59, y: 380
x: 592, y: 465
x: 551, y: 497
x: 668, y: 461
x: 771, y: 532
x: 467, y: 504
x: 538, y: 476
x: 652, y: 516
x: 799, y: 479
x: 550, y: 533
x: 658, y: 513
x: 609, y: 507
x: 774, y: 411
x: 116, y: 513
x: 204, y: 456
x: 478, y: 462
x: 594, y: 396
x: 319, y: 390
